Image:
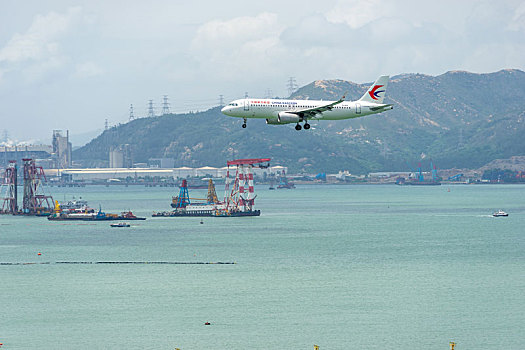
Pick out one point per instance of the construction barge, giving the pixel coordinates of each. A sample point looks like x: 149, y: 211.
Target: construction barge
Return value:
x: 89, y: 214
x: 239, y: 195
x: 208, y: 212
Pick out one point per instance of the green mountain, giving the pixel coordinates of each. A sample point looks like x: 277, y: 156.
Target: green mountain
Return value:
x: 457, y: 119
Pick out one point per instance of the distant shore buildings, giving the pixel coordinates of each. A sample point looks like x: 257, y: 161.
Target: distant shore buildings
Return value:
x: 132, y: 174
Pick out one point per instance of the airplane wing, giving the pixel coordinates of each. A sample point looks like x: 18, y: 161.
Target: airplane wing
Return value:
x: 311, y: 112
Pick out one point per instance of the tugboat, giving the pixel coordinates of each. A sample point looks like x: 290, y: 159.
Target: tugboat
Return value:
x: 128, y: 215
x: 499, y: 213
x: 120, y: 224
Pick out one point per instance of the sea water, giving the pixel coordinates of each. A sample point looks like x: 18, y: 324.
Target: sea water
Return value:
x: 342, y: 267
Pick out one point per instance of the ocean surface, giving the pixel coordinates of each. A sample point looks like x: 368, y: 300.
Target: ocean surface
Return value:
x: 343, y: 267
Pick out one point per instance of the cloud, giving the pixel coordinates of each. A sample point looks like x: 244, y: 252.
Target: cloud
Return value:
x: 518, y: 19
x: 87, y: 70
x: 234, y: 47
x: 236, y: 32
x: 38, y: 49
x: 316, y: 31
x: 356, y: 13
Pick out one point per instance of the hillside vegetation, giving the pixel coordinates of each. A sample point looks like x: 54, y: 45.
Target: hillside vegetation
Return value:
x: 457, y: 119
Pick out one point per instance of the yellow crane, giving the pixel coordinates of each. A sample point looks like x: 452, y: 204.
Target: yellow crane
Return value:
x: 212, y: 195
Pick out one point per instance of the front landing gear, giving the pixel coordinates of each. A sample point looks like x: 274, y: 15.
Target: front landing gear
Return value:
x: 244, y: 124
x: 298, y: 127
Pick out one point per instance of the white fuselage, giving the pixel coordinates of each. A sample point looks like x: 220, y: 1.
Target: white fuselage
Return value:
x: 270, y: 108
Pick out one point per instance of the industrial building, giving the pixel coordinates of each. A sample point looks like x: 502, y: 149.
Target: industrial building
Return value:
x: 161, y: 162
x: 61, y: 150
x: 120, y: 157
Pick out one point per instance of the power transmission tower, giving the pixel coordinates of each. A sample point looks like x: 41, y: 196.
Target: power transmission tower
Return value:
x: 385, y: 151
x: 131, y: 114
x: 165, y: 105
x: 151, y: 111
x: 221, y: 100
x: 106, y: 125
x: 292, y: 86
x: 268, y: 93
x: 246, y: 94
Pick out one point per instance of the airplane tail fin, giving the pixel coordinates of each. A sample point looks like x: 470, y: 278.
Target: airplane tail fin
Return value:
x: 376, y: 92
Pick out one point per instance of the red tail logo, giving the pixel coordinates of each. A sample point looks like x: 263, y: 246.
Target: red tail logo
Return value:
x: 374, y: 94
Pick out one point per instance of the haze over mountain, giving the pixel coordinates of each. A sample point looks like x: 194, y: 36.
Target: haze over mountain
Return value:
x: 457, y: 119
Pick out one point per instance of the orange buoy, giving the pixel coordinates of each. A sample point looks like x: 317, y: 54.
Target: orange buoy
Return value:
x: 39, y: 253
x: 207, y: 323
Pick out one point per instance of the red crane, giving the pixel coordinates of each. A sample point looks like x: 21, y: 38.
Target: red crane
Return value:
x: 34, y: 201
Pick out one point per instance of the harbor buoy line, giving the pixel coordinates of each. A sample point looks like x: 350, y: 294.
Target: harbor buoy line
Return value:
x: 121, y: 263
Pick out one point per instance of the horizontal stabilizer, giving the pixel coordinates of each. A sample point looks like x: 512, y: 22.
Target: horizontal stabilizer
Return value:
x: 381, y: 107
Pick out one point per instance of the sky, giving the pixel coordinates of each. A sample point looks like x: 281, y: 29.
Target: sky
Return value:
x: 72, y: 64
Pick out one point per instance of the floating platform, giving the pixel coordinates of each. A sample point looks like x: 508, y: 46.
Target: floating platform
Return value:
x: 239, y: 213
x: 205, y: 213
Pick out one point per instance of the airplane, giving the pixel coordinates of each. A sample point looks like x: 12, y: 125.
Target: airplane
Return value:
x: 297, y: 111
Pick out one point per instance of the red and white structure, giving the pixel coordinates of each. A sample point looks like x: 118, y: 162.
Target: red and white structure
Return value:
x: 239, y: 193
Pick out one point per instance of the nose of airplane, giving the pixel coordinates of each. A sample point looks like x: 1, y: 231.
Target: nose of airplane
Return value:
x: 225, y: 109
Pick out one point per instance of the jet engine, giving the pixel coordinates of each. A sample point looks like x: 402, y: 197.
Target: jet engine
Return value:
x: 272, y: 121
x: 285, y: 118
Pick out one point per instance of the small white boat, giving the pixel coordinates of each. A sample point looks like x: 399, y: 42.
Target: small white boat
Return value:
x: 120, y: 224
x: 499, y: 213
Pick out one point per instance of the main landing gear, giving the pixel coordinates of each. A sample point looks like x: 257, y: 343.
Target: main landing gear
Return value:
x: 244, y: 124
x: 306, y: 126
